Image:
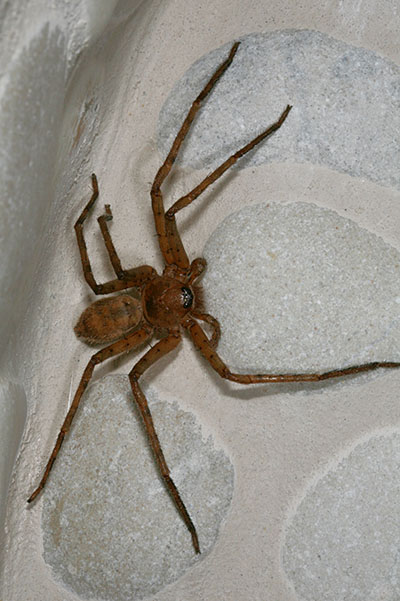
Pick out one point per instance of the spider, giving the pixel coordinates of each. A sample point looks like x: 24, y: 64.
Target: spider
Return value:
x: 171, y: 302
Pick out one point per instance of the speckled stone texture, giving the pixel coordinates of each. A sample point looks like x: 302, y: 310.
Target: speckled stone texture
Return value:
x: 298, y: 287
x: 110, y: 529
x: 345, y: 105
x: 342, y: 543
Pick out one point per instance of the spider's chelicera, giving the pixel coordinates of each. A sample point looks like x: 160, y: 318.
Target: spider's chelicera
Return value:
x: 171, y: 302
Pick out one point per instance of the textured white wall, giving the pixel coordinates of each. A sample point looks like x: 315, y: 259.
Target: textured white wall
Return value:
x: 39, y: 46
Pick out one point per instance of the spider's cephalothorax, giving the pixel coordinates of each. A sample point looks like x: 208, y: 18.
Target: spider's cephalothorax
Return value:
x: 171, y: 302
x: 166, y: 302
x: 168, y: 299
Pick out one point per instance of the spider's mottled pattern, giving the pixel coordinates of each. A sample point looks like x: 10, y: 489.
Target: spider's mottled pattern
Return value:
x: 171, y: 302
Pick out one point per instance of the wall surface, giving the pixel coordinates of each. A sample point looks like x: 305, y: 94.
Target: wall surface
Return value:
x: 292, y: 487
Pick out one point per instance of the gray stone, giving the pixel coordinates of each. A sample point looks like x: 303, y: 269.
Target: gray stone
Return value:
x: 342, y: 543
x: 345, y: 105
x: 298, y: 287
x: 110, y: 529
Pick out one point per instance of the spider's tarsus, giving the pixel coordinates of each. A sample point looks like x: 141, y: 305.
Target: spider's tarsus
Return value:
x: 33, y: 496
x: 108, y: 213
x: 195, y: 541
x: 95, y: 184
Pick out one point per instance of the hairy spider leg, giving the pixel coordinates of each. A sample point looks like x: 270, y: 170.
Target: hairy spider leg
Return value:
x: 169, y: 239
x: 184, y: 201
x: 121, y: 346
x: 112, y: 253
x: 132, y: 277
x: 164, y: 346
x: 141, y: 274
x: 202, y: 343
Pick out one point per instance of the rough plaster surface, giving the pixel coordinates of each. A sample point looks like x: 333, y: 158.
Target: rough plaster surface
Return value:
x: 12, y: 416
x: 342, y: 98
x: 32, y: 126
x: 342, y: 543
x: 39, y: 44
x: 302, y: 286
x: 110, y: 530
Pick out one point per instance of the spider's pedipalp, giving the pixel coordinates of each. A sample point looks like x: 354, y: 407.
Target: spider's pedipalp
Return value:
x: 197, y: 267
x: 213, y: 323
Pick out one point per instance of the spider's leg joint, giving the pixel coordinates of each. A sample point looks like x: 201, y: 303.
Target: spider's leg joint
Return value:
x: 170, y: 214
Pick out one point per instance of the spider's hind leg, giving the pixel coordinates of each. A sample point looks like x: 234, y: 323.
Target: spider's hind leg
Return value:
x: 108, y: 287
x: 124, y: 345
x: 164, y: 346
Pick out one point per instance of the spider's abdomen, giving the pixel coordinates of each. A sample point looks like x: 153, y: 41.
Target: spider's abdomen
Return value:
x: 166, y: 301
x: 108, y: 319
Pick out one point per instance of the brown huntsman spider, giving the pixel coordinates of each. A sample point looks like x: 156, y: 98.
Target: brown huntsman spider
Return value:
x: 170, y: 302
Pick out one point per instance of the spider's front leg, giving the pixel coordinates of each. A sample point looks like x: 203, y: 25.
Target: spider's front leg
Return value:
x: 169, y: 239
x: 203, y: 345
x: 186, y: 200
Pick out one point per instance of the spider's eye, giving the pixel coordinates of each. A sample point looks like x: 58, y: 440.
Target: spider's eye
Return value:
x: 187, y: 296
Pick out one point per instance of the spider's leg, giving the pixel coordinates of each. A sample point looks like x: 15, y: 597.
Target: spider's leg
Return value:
x: 112, y: 253
x: 139, y: 274
x: 214, y: 323
x: 164, y: 346
x: 86, y: 266
x: 133, y: 277
x: 203, y: 344
x: 121, y: 346
x: 169, y: 239
x: 184, y: 201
